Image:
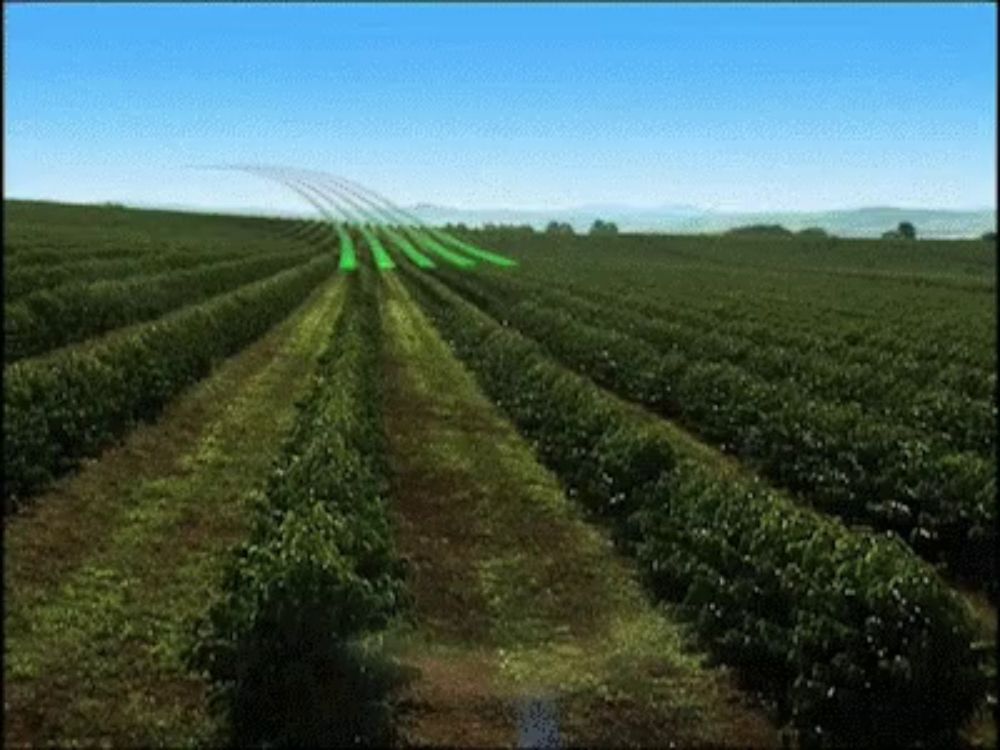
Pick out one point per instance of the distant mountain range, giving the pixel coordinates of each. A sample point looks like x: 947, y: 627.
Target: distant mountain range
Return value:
x: 682, y: 219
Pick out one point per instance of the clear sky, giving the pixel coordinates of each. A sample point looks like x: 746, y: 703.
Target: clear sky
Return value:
x: 720, y: 106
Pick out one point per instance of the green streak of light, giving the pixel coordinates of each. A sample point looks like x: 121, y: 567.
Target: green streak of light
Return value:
x: 472, y: 250
x: 400, y: 217
x: 348, y: 258
x: 382, y: 260
x: 406, y: 247
x: 430, y: 244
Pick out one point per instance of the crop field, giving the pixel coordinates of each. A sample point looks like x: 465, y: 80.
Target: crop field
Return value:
x: 359, y: 480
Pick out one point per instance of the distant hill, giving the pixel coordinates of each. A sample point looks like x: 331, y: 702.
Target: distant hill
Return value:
x: 859, y: 222
x: 679, y: 219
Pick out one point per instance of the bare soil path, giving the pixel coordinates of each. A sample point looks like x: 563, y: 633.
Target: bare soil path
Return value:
x: 520, y: 604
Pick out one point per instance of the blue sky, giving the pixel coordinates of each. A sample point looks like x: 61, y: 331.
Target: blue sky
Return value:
x: 720, y: 106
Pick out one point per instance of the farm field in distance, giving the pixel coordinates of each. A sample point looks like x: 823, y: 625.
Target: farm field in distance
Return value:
x: 358, y: 480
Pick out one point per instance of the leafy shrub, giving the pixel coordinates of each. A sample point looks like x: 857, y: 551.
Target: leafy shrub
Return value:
x: 282, y: 643
x: 286, y: 646
x: 849, y: 624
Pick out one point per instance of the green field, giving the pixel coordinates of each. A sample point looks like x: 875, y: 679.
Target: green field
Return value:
x: 275, y: 481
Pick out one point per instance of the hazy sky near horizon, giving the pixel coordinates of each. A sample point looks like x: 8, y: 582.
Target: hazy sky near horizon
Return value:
x: 732, y: 107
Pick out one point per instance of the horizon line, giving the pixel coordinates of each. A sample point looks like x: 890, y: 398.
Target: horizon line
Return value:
x: 535, y: 209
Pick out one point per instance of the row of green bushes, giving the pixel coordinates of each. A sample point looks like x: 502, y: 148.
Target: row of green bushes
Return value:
x: 68, y: 405
x: 52, y: 251
x: 51, y: 318
x: 20, y: 281
x: 312, y: 232
x: 939, y: 409
x: 917, y: 356
x: 850, y: 632
x: 914, y: 315
x: 68, y: 262
x: 854, y: 465
x: 285, y: 644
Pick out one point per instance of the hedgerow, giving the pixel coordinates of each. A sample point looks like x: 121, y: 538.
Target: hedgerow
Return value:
x: 850, y: 632
x: 284, y: 645
x: 72, y: 403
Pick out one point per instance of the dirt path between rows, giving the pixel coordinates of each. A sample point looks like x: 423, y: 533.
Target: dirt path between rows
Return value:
x: 526, y: 625
x: 105, y: 572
